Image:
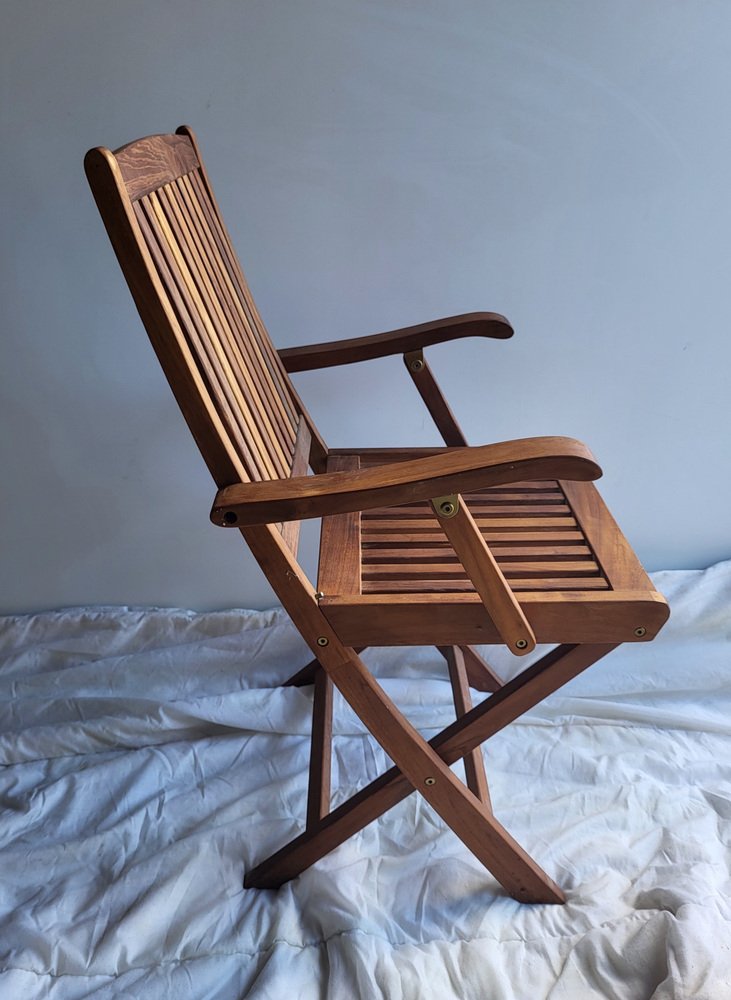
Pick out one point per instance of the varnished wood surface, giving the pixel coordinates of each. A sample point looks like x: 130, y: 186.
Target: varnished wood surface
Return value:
x: 318, y: 790
x: 164, y: 224
x: 556, y: 557
x: 455, y: 470
x: 528, y: 689
x: 148, y: 163
x: 530, y: 529
x: 340, y: 543
x: 409, y: 338
x: 480, y: 674
x: 409, y: 619
x: 474, y: 764
x: 433, y: 398
x: 487, y: 579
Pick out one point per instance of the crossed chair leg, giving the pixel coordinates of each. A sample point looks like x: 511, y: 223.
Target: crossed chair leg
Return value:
x: 469, y: 809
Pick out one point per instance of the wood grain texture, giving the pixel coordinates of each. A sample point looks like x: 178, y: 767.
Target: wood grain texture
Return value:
x: 148, y: 163
x: 318, y: 789
x: 533, y: 551
x: 409, y: 338
x: 300, y: 462
x: 458, y: 470
x: 487, y: 579
x: 340, y: 562
x: 460, y: 618
x: 480, y: 674
x: 474, y: 765
x: 431, y: 394
x: 165, y: 227
x: 391, y: 787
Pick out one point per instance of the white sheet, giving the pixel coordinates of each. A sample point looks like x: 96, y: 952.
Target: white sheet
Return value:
x: 147, y: 761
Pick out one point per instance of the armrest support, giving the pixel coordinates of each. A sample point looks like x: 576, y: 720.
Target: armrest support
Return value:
x: 458, y: 470
x: 487, y: 578
x: 409, y: 338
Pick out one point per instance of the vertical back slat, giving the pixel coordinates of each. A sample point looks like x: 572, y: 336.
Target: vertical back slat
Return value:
x: 219, y: 336
x: 156, y: 247
x: 259, y: 337
x: 224, y: 292
x: 199, y: 335
x: 197, y: 269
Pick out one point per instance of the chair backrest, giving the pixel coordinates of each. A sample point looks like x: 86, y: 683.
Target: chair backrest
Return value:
x: 163, y: 221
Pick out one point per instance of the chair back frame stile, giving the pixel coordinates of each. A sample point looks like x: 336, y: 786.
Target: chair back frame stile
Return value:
x: 536, y: 562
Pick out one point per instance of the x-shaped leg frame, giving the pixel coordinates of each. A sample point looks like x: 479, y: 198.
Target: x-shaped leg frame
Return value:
x: 425, y: 766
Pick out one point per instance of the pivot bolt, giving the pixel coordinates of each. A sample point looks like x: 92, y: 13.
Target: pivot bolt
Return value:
x: 416, y: 365
x: 521, y: 643
x: 322, y: 640
x: 430, y: 781
x: 639, y: 632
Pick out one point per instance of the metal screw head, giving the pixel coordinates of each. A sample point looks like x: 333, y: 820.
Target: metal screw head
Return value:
x: 430, y: 781
x: 416, y: 365
x: 322, y: 640
x: 319, y: 595
x: 521, y: 643
x: 639, y: 632
x: 447, y: 508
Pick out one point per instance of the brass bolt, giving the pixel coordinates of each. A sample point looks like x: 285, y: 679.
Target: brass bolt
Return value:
x: 322, y: 640
x: 416, y: 365
x: 430, y: 781
x: 319, y: 595
x: 521, y: 643
x: 639, y: 632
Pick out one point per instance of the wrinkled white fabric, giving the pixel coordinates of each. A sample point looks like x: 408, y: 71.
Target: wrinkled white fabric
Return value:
x: 148, y: 760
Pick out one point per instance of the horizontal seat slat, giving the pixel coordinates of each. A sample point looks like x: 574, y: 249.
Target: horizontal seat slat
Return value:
x: 375, y: 539
x: 531, y: 528
x: 446, y: 586
x: 503, y: 553
x: 478, y: 511
x: 414, y: 571
x: 421, y: 524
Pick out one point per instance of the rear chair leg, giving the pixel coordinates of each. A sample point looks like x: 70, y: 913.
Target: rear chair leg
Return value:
x: 474, y: 764
x: 480, y: 674
x: 306, y: 675
x: 318, y: 791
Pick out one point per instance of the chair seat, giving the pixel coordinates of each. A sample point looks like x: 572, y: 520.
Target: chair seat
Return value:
x: 562, y: 553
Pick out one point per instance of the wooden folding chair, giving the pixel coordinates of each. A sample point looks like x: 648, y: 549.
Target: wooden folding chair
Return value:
x: 452, y: 547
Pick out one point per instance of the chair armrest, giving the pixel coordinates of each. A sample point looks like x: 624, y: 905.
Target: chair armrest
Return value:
x: 458, y: 470
x: 409, y: 338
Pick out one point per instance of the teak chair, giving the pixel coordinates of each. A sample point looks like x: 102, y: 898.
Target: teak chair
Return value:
x: 452, y: 546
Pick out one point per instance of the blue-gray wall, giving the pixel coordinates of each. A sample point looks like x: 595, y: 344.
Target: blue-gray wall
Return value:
x: 379, y: 163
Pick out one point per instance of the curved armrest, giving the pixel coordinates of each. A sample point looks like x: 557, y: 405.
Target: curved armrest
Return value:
x: 459, y: 470
x: 409, y: 338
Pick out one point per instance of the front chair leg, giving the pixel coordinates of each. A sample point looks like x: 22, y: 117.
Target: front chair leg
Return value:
x: 469, y: 818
